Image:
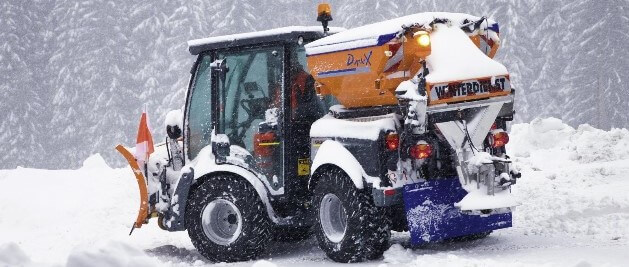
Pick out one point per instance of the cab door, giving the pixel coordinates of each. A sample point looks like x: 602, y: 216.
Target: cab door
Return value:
x: 199, y: 108
x: 250, y: 109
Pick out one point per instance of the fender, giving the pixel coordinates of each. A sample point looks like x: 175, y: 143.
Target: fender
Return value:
x: 249, y: 177
x: 205, y: 165
x: 334, y: 153
x: 174, y: 217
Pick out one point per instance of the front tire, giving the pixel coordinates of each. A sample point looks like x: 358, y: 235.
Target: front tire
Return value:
x: 226, y: 220
x: 349, y: 228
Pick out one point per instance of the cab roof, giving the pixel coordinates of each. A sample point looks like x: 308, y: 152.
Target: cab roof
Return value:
x: 286, y: 34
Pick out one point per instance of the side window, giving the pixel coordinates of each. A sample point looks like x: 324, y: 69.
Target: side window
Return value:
x: 306, y: 106
x: 199, y: 109
x: 250, y: 101
x: 252, y: 86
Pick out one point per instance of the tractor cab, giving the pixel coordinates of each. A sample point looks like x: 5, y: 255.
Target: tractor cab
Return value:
x: 255, y: 90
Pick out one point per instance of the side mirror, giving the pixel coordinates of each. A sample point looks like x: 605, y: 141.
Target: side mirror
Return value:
x: 173, y: 131
x: 174, y: 123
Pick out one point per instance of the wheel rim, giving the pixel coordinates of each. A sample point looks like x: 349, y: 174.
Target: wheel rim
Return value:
x: 221, y: 221
x: 333, y: 218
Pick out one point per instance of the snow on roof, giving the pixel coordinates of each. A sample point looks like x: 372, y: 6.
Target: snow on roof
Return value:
x: 249, y: 35
x: 375, y: 33
x: 455, y: 57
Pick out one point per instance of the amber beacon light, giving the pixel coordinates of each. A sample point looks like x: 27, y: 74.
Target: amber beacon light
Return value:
x: 324, y: 15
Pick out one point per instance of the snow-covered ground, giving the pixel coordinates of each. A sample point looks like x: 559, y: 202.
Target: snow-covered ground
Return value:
x: 575, y: 212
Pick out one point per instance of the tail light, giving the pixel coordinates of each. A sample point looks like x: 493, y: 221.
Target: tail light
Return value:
x: 498, y: 138
x: 392, y: 141
x: 421, y: 150
x: 389, y: 192
x: 263, y: 144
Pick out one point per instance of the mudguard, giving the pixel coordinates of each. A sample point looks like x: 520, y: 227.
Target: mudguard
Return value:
x: 174, y: 217
x: 246, y: 175
x: 205, y: 164
x: 334, y: 153
x: 143, y: 213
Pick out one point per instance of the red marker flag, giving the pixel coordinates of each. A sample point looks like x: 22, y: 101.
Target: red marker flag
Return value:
x: 144, y: 142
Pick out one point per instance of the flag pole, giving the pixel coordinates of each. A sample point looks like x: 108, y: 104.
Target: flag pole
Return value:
x: 146, y: 156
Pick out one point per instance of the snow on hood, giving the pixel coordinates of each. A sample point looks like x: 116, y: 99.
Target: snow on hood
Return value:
x: 455, y: 57
x: 372, y: 34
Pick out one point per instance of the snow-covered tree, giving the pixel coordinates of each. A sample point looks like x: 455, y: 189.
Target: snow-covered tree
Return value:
x: 23, y: 85
x: 75, y: 74
x: 234, y: 16
x: 598, y: 68
x: 360, y: 12
x: 544, y: 61
x: 90, y: 60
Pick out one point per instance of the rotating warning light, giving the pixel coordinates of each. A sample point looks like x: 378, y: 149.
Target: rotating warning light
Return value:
x: 324, y: 10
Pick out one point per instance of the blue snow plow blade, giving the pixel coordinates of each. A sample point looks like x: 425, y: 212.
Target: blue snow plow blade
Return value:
x: 432, y: 216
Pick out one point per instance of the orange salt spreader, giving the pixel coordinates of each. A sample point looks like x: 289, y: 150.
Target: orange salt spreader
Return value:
x: 362, y: 67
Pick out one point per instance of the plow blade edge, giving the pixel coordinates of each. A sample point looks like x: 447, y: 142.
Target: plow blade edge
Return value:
x: 139, y: 177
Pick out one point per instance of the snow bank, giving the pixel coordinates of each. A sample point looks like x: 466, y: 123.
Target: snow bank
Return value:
x: 51, y: 213
x: 574, y: 212
x: 585, y: 144
x: 12, y: 255
x: 95, y: 162
x: 574, y: 180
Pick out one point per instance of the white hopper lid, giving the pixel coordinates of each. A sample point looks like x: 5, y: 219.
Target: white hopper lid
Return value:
x: 455, y: 57
x: 381, y: 32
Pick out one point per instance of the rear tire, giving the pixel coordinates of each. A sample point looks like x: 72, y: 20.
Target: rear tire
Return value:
x: 349, y: 228
x: 226, y: 220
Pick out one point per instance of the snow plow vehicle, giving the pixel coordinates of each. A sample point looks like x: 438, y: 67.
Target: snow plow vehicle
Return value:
x: 344, y: 134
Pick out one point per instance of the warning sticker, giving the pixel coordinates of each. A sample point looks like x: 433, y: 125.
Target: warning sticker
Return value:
x: 303, y: 167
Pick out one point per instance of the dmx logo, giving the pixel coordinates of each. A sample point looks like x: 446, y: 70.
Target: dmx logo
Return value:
x: 359, y: 61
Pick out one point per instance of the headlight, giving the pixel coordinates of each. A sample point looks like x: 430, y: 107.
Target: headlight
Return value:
x: 423, y: 39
